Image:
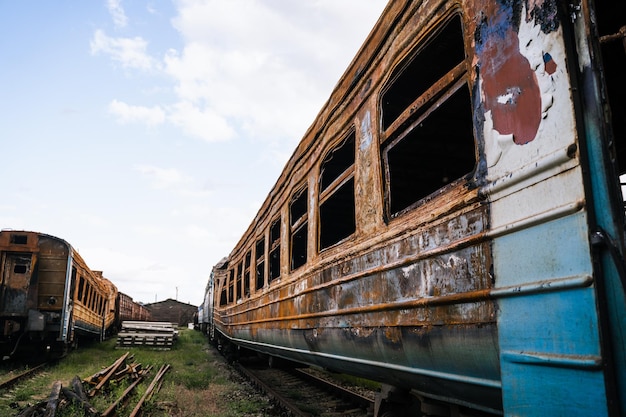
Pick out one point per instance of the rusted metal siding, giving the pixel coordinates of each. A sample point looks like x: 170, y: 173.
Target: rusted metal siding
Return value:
x: 411, y: 293
x: 483, y: 292
x: 130, y: 310
x: 109, y: 309
x: 52, y: 273
x: 43, y: 296
x: 89, y: 313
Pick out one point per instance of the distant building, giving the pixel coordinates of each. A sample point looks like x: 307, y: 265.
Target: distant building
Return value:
x: 172, y: 311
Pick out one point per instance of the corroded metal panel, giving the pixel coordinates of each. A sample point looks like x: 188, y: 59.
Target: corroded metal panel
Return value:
x: 19, y: 256
x: 484, y: 291
x: 52, y: 273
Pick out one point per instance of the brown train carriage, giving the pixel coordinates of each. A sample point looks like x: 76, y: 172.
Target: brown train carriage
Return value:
x: 48, y: 295
x: 91, y: 296
x: 129, y: 310
x: 110, y: 312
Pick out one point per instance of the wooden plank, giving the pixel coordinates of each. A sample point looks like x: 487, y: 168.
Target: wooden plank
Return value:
x: 53, y: 400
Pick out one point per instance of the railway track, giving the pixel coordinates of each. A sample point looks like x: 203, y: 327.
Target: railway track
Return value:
x: 7, y: 381
x: 302, y: 394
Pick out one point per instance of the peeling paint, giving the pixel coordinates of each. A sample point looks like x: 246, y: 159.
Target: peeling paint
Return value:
x: 510, y: 87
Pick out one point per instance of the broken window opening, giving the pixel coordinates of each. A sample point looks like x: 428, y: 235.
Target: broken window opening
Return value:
x: 238, y: 284
x: 94, y: 297
x: 434, y: 154
x: 274, y: 261
x: 610, y: 18
x: 298, y: 247
x: 223, y: 297
x: 246, y: 274
x: 88, y: 296
x: 337, y: 203
x: 224, y: 291
x: 337, y: 216
x: 19, y: 239
x: 73, y: 282
x: 231, y: 286
x: 19, y: 269
x: 430, y: 140
x: 299, y: 228
x: 81, y: 286
x: 424, y: 69
x: 260, y: 263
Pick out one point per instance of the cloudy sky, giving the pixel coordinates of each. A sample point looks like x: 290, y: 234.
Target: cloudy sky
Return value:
x: 147, y: 133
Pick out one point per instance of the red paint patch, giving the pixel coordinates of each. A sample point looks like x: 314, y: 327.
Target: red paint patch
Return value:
x: 549, y: 64
x: 511, y: 90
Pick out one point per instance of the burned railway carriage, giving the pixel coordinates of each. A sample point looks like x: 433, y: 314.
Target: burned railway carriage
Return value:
x: 451, y: 224
x: 49, y: 296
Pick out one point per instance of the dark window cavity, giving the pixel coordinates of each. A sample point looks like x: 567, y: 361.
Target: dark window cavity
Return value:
x: 246, y: 274
x: 231, y: 285
x: 81, y: 287
x: 428, y: 141
x: 298, y: 222
x: 424, y: 69
x: 260, y: 263
x: 238, y: 285
x: 275, y: 250
x: 19, y: 239
x: 337, y: 205
x: 223, y: 297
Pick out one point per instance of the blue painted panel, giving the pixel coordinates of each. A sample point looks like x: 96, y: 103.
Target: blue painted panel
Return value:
x: 549, y: 339
x: 548, y: 251
x: 608, y: 210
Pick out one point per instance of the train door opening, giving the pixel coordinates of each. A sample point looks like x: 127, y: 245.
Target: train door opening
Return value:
x: 17, y: 274
x: 611, y: 20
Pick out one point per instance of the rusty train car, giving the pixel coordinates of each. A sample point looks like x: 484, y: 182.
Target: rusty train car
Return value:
x: 49, y: 297
x: 451, y: 224
x: 129, y: 310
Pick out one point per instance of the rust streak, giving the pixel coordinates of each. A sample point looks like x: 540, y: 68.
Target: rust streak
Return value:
x: 468, y: 297
x: 460, y: 244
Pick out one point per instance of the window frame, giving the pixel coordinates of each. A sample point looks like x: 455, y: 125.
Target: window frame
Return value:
x: 421, y: 108
x: 335, y: 186
x: 259, y: 261
x: 246, y: 273
x: 274, y: 249
x: 299, y: 227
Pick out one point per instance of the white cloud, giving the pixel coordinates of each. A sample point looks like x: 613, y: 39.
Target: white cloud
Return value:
x: 92, y: 220
x: 126, y: 113
x: 148, y: 230
x: 238, y: 61
x: 129, y: 52
x: 197, y: 232
x: 202, y: 122
x: 164, y: 178
x: 117, y: 13
x: 254, y: 69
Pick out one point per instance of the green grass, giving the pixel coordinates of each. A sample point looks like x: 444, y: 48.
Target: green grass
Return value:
x: 197, y: 384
